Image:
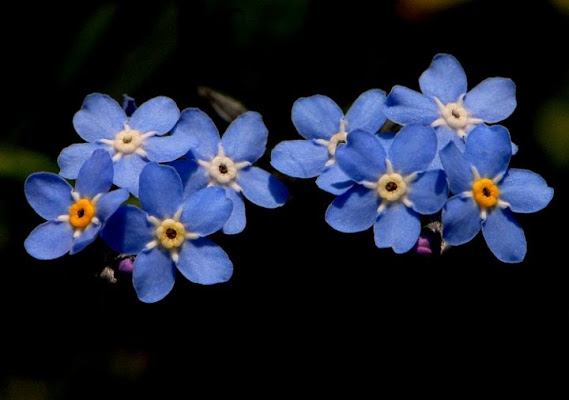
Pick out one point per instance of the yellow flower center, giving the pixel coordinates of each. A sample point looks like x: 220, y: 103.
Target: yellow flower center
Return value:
x: 335, y: 140
x: 128, y: 141
x: 391, y: 187
x: 485, y: 192
x: 171, y: 233
x: 81, y: 213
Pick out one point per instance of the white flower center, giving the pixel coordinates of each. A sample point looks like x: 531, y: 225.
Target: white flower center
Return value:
x: 455, y: 117
x: 170, y: 234
x: 128, y: 141
x: 222, y: 170
x: 338, y: 138
x: 391, y: 187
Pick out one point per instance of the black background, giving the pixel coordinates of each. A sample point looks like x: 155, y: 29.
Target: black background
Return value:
x: 306, y: 305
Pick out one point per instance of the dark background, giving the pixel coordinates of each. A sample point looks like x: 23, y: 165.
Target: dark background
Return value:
x: 307, y: 305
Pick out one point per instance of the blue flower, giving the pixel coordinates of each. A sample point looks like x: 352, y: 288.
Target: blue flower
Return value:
x: 74, y: 216
x: 445, y: 103
x: 132, y: 140
x: 228, y: 162
x: 169, y: 233
x: 394, y: 188
x: 486, y: 194
x: 320, y: 121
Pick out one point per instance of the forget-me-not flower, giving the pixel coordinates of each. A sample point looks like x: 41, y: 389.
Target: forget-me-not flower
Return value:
x: 323, y: 125
x: 486, y: 194
x: 394, y: 186
x: 169, y: 233
x: 74, y: 216
x: 228, y: 162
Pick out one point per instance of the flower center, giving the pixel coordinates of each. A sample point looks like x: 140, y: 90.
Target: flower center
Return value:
x: 335, y: 140
x: 222, y: 169
x: 128, y: 141
x: 455, y: 115
x: 81, y: 213
x: 485, y: 193
x: 391, y: 187
x: 170, y: 233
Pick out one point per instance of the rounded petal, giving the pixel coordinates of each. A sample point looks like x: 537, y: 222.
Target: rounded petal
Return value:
x: 95, y: 175
x: 461, y: 220
x: 110, y: 202
x: 127, y: 172
x: 206, y: 211
x: 397, y: 227
x: 49, y: 240
x: 237, y: 220
x: 72, y: 158
x: 334, y: 180
x: 100, y: 117
x: 195, y: 123
x: 299, y: 158
x: 159, y: 114
x: 87, y: 237
x: 489, y: 149
x: 316, y: 117
x: 445, y: 79
x: 429, y: 192
x: 493, y: 99
x: 154, y: 275
x: 525, y: 191
x: 366, y: 112
x: 48, y: 194
x: 444, y: 136
x: 362, y: 158
x: 127, y: 230
x: 504, y: 236
x: 160, y: 191
x: 262, y: 188
x: 354, y: 211
x: 405, y: 106
x: 169, y: 147
x: 413, y: 148
x: 204, y: 262
x: 246, y: 137
x: 386, y: 138
x: 457, y: 169
x: 194, y: 176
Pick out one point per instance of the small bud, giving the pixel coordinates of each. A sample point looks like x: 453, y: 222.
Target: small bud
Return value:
x: 126, y: 265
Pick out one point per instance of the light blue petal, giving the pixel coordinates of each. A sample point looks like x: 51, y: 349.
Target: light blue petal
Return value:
x: 154, y: 275
x: 444, y: 136
x: 87, y: 237
x: 96, y: 174
x: 525, y: 191
x: 161, y: 191
x: 445, y: 79
x: 204, y: 262
x: 194, y: 176
x: 493, y: 99
x: 169, y: 147
x: 100, y: 117
x: 366, y: 112
x: 159, y: 114
x: 316, y: 117
x: 206, y: 211
x: 413, y: 149
x: 237, y: 220
x: 110, y: 202
x: 334, y: 180
x: 397, y: 227
x: 299, y: 158
x: 72, y: 158
x: 362, y: 158
x: 354, y: 211
x: 429, y: 192
x: 405, y: 106
x: 49, y: 240
x: 195, y: 123
x: 461, y: 220
x: 504, y: 236
x: 246, y: 137
x: 262, y: 188
x: 127, y: 172
x: 489, y: 149
x: 48, y: 194
x: 386, y: 139
x: 127, y: 230
x: 457, y: 169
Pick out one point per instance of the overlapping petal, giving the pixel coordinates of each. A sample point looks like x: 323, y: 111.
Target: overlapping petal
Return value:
x: 362, y: 158
x: 354, y: 211
x: 72, y: 158
x: 397, y: 227
x: 195, y: 123
x: 262, y: 188
x: 299, y: 158
x: 316, y: 117
x: 429, y: 192
x: 161, y: 190
x: 457, y: 169
x: 237, y: 220
x: 206, y: 211
x: 461, y: 220
x: 413, y: 148
x: 406, y: 106
x: 489, y: 149
x: 169, y: 147
x: 128, y: 230
x: 110, y: 202
x: 127, y: 172
x: 366, y: 113
x: 96, y: 174
x: 334, y: 180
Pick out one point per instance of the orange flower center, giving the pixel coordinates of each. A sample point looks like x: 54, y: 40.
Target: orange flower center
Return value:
x: 485, y: 192
x: 81, y: 213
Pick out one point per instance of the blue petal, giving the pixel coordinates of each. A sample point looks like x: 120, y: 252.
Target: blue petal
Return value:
x: 397, y: 227
x: 245, y: 138
x: 405, y: 106
x: 457, y: 169
x: 195, y: 123
x: 354, y: 211
x: 429, y: 192
x: 493, y: 99
x: 386, y: 139
x: 413, y: 148
x: 299, y: 158
x: 161, y: 191
x: 127, y: 231
x: 49, y: 240
x: 206, y: 211
x: 169, y: 147
x: 154, y: 275
x: 444, y: 79
x: 159, y: 114
x: 128, y: 104
x: 366, y: 112
x: 362, y: 158
x: 87, y: 237
x: 193, y: 175
x: 127, y: 172
x: 316, y: 117
x: 334, y: 180
x: 262, y: 188
x: 100, y: 117
x: 461, y: 220
x: 110, y: 202
x: 48, y: 194
x: 525, y: 191
x: 237, y: 220
x: 204, y: 262
x: 489, y: 149
x: 96, y: 174
x: 504, y: 236
x: 72, y: 158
